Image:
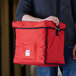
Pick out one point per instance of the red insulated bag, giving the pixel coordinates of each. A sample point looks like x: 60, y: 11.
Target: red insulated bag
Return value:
x: 39, y: 43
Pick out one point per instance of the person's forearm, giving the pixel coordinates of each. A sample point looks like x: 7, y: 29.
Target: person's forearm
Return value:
x: 30, y: 18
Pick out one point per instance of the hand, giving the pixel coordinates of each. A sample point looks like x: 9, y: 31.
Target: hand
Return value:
x: 54, y: 19
x: 74, y: 52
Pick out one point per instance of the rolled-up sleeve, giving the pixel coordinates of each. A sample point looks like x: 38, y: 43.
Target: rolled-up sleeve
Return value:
x: 23, y: 7
x: 74, y: 9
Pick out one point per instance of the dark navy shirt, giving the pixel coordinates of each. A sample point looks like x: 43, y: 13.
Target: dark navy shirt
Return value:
x: 46, y: 8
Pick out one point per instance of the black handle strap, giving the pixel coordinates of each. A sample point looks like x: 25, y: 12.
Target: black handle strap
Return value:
x: 57, y: 13
x: 57, y: 8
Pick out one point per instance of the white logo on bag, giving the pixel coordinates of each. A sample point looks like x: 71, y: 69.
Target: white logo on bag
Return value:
x: 27, y: 53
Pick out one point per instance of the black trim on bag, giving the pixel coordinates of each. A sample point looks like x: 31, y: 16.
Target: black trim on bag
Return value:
x: 40, y: 28
x: 46, y: 50
x: 46, y: 45
x: 14, y: 43
x: 57, y: 29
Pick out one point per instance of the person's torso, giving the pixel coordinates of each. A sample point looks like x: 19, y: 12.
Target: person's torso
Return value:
x: 46, y: 8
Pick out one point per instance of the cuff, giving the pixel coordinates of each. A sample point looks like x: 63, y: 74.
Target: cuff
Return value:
x: 19, y: 16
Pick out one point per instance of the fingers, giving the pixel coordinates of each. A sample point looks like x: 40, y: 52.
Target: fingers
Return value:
x: 54, y: 19
x: 74, y: 52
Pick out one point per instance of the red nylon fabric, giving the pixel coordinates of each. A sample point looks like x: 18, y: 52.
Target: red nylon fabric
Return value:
x: 33, y: 43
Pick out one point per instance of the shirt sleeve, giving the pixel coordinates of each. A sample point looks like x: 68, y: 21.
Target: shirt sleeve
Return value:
x: 23, y: 7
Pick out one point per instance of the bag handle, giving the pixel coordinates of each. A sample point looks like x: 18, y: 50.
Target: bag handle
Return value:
x: 57, y: 13
x: 57, y: 8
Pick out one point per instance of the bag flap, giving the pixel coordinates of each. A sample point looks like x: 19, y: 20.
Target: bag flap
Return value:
x: 30, y: 24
